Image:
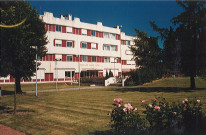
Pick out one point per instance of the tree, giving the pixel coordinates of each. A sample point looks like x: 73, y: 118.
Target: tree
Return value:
x: 191, y: 36
x: 107, y: 75
x: 148, y: 56
x: 171, y: 48
x: 110, y: 74
x: 185, y: 47
x: 17, y: 55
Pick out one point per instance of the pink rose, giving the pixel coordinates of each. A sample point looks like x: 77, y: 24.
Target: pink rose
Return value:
x: 183, y: 101
x: 118, y: 105
x: 125, y: 105
x: 155, y: 99
x: 128, y: 106
x: 143, y: 101
x: 198, y: 101
x: 118, y: 100
x: 125, y: 109
x: 164, y: 105
x: 186, y: 100
x: 135, y: 110
x: 150, y: 106
x: 157, y: 108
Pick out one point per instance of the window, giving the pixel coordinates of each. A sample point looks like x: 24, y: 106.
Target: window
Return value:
x: 127, y: 42
x: 93, y: 33
x: 58, y: 28
x: 110, y: 47
x: 84, y: 45
x: 84, y: 58
x: 113, y: 47
x: 128, y: 52
x: 69, y: 29
x: 112, y: 36
x: 84, y: 32
x: 69, y: 73
x: 106, y: 35
x: 69, y: 44
x: 76, y: 31
x: 69, y: 58
x: 93, y: 46
x: 106, y: 59
x: 93, y: 58
x: 58, y: 45
x: 107, y: 47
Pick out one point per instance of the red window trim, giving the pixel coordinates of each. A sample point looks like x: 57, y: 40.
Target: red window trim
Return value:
x: 63, y: 29
x: 63, y: 43
x: 88, y: 32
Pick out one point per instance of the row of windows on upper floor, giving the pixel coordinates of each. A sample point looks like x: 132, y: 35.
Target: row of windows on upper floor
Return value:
x: 84, y: 45
x: 79, y: 31
x: 83, y: 58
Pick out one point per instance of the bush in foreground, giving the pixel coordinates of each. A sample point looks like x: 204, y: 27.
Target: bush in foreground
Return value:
x: 125, y: 119
x: 185, y: 117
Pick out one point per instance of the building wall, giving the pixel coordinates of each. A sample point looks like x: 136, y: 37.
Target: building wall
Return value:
x: 77, y: 33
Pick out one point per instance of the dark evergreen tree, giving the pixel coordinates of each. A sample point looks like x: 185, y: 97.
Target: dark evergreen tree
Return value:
x: 110, y: 74
x: 107, y: 75
x: 171, y: 49
x: 17, y: 55
x: 148, y: 56
x: 185, y: 47
x: 191, y: 36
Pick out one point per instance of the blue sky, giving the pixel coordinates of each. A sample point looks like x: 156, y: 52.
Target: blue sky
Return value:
x: 129, y: 14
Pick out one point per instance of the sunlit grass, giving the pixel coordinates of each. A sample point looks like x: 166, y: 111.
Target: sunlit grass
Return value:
x: 40, y: 86
x: 84, y: 111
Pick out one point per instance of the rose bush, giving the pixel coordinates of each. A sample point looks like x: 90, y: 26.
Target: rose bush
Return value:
x: 191, y: 117
x: 161, y: 117
x: 125, y: 119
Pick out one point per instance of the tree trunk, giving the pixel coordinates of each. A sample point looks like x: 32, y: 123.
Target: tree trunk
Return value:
x: 192, y: 82
x: 14, y: 98
x: 18, y: 85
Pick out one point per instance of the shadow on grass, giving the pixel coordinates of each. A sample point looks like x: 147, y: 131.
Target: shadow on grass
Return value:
x: 155, y: 89
x: 2, y: 108
x: 6, y: 92
x: 107, y: 132
x: 10, y: 111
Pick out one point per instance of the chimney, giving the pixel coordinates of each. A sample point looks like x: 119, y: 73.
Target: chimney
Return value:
x: 68, y: 17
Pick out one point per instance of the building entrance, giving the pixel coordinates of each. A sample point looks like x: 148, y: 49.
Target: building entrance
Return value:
x: 89, y: 74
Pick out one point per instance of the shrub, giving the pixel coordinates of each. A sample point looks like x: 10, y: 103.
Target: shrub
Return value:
x: 186, y: 117
x: 93, y: 80
x: 125, y: 119
x: 192, y: 117
x: 141, y: 76
x: 160, y: 116
x: 111, y: 74
x: 107, y: 75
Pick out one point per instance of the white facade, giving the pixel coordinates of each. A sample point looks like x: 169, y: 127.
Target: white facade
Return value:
x: 98, y: 47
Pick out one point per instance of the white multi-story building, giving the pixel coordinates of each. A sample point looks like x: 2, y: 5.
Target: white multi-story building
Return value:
x: 77, y: 47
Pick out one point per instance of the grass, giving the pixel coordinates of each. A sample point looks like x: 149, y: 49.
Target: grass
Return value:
x: 85, y: 111
x: 40, y: 86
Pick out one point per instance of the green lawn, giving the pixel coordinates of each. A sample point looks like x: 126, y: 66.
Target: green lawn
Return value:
x: 85, y: 111
x: 40, y: 86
